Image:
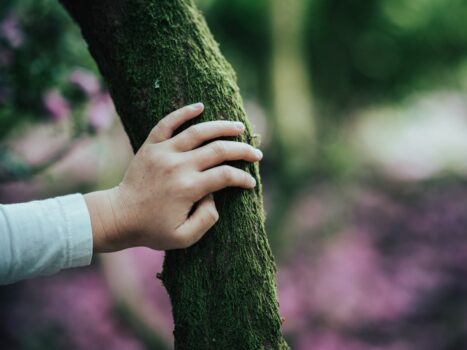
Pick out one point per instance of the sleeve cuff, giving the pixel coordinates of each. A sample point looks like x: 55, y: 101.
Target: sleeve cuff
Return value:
x: 79, y: 230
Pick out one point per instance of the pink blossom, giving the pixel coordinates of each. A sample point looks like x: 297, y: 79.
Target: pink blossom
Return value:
x: 292, y: 301
x: 56, y: 105
x: 78, y: 301
x: 19, y: 191
x: 328, y: 341
x: 101, y: 112
x: 85, y: 80
x: 349, y: 282
x: 323, y: 340
x: 11, y: 31
x: 148, y: 263
x: 352, y: 285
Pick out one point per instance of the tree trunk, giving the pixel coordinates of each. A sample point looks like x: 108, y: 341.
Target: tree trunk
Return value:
x: 157, y: 56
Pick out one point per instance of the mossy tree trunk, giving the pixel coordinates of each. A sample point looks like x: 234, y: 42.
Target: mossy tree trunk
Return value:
x: 156, y: 56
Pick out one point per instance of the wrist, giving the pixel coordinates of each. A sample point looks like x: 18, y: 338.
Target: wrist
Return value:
x: 105, y: 213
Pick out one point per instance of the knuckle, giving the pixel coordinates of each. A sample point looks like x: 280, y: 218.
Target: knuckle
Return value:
x: 154, y: 132
x: 172, y: 162
x: 195, y: 132
x: 227, y: 173
x: 213, y: 214
x: 185, y: 184
x: 162, y: 126
x: 166, y: 162
x: 161, y: 131
x: 245, y: 148
x: 250, y: 149
x: 146, y: 150
x: 218, y: 147
x: 222, y: 125
x: 151, y: 155
x: 245, y: 178
x: 182, y: 240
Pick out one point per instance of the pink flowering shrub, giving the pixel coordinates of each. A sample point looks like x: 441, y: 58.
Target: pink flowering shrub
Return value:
x: 396, y: 269
x: 86, y: 80
x: 100, y: 112
x: 11, y: 31
x: 57, y: 105
x: 73, y: 310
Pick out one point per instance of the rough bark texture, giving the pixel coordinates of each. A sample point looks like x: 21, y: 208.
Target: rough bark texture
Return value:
x: 156, y: 56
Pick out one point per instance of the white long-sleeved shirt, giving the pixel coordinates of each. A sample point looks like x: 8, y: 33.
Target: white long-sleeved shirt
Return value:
x: 43, y: 237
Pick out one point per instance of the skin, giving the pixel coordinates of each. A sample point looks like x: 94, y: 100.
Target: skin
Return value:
x: 165, y: 198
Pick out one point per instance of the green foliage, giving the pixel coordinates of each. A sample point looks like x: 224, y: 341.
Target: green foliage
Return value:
x: 243, y: 29
x: 359, y: 52
x: 50, y: 48
x: 366, y: 51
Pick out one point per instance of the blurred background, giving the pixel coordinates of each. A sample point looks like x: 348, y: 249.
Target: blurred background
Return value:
x: 362, y: 111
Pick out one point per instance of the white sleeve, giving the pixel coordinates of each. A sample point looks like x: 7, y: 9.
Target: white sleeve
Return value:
x: 43, y: 237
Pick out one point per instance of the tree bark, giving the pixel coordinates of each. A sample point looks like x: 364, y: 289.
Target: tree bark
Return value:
x: 156, y: 56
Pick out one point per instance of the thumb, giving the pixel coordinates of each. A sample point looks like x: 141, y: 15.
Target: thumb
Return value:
x: 200, y: 221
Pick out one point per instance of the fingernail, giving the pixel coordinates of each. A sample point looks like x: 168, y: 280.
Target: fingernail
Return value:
x: 253, y: 181
x: 239, y: 126
x: 197, y: 105
x: 259, y: 153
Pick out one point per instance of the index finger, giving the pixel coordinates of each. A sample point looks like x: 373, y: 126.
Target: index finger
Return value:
x: 203, y: 132
x: 167, y: 125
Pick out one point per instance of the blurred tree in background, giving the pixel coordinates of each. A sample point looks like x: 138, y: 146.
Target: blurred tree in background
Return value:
x: 367, y: 52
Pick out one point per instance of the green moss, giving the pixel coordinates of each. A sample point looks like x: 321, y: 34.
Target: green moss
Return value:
x: 157, y: 56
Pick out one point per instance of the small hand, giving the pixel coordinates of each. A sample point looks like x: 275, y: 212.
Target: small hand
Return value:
x: 165, y: 199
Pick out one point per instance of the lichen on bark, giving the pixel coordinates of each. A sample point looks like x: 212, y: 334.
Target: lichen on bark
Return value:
x: 156, y: 56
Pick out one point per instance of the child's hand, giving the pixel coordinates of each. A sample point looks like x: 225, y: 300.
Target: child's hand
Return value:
x: 153, y: 204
